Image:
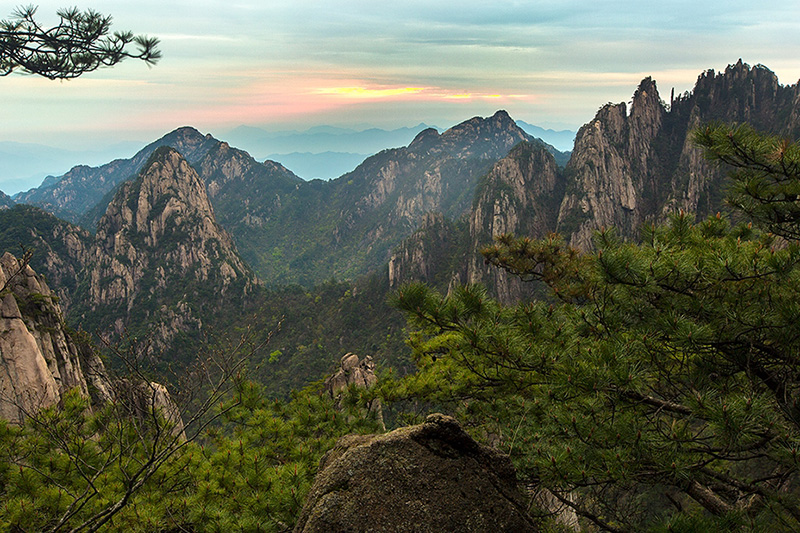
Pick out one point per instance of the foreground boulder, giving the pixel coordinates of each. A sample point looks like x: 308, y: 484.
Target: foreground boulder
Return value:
x: 427, y: 478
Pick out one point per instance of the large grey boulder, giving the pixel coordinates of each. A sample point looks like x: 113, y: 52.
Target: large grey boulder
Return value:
x: 424, y: 479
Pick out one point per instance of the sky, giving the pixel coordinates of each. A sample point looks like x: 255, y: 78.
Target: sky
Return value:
x: 294, y: 64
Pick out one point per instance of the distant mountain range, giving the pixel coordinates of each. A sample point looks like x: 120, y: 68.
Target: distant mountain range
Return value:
x: 327, y: 152
x: 324, y: 152
x: 25, y: 165
x: 563, y: 140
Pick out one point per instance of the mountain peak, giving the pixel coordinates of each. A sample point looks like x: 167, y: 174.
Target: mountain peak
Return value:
x: 424, y: 139
x: 162, y: 226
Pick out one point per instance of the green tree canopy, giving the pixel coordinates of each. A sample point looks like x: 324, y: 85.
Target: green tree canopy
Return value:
x: 78, y: 44
x: 658, y: 387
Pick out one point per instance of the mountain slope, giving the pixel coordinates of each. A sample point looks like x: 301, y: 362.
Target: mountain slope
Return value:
x: 348, y: 226
x: 160, y: 262
x: 60, y: 249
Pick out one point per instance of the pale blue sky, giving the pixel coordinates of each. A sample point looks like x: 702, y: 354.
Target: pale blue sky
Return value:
x: 294, y: 64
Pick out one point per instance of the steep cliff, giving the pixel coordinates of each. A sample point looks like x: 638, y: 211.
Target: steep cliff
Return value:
x: 434, y: 254
x: 39, y: 361
x: 519, y: 195
x: 160, y: 260
x: 610, y: 168
x: 634, y: 165
x: 60, y: 249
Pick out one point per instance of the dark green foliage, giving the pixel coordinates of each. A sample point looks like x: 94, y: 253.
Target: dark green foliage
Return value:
x: 322, y: 324
x: 765, y: 176
x: 66, y: 468
x: 57, y: 246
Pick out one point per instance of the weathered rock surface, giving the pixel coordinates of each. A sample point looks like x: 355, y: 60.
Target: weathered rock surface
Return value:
x: 356, y: 372
x: 520, y: 195
x: 39, y: 362
x: 632, y: 166
x: 158, y: 247
x: 423, y: 479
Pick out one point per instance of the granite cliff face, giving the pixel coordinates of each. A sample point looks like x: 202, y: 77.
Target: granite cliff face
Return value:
x: 630, y: 165
x: 159, y: 254
x: 610, y: 168
x: 520, y: 196
x: 635, y: 165
x: 39, y: 362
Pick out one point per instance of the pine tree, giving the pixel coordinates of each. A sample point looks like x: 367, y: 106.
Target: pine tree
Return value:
x: 81, y: 42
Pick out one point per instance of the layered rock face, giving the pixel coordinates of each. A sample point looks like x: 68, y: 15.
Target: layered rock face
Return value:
x: 423, y: 479
x: 519, y: 196
x: 158, y: 250
x: 40, y: 362
x: 635, y: 165
x: 610, y: 167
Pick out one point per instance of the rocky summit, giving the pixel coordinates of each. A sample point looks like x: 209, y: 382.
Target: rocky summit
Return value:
x: 158, y: 248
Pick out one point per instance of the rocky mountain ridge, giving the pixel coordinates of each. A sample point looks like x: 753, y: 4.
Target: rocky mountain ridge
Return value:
x: 159, y: 254
x: 637, y: 165
x: 76, y: 192
x: 629, y: 166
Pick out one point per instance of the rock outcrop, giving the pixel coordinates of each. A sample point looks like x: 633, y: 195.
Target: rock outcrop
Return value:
x: 424, y: 479
x: 630, y: 166
x: 358, y: 373
x: 39, y: 361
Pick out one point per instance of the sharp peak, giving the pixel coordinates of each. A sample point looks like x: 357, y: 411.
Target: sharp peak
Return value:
x: 164, y: 155
x: 187, y: 129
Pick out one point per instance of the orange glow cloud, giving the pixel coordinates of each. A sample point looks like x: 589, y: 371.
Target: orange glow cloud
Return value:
x: 357, y: 92
x: 366, y: 93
